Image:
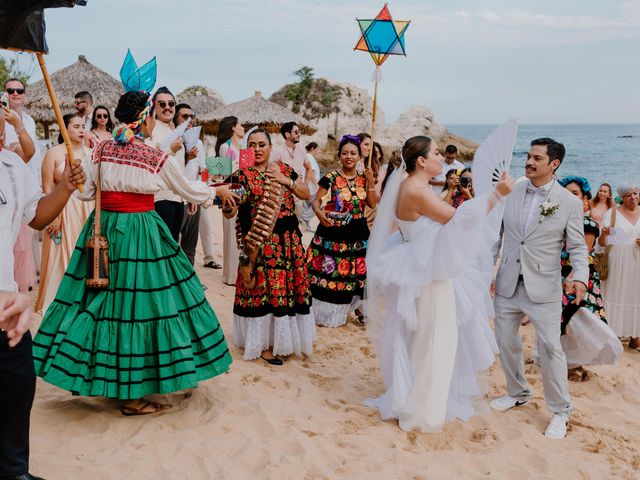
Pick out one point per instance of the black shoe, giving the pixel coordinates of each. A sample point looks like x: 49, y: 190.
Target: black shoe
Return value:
x: 272, y: 361
x: 213, y: 264
x: 24, y: 476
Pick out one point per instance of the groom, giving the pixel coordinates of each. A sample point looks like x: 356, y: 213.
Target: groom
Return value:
x: 539, y: 217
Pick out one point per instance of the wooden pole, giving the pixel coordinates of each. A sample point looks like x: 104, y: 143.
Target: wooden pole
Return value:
x: 373, y: 116
x: 58, y: 112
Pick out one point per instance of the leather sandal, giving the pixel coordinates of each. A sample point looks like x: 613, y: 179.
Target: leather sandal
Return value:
x: 146, y: 408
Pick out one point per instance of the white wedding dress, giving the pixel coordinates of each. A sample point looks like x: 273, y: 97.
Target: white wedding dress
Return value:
x: 428, y: 307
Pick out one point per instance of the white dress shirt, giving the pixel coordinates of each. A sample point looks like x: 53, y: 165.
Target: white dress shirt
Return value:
x: 534, y: 197
x: 193, y: 167
x: 160, y: 133
x: 19, y: 197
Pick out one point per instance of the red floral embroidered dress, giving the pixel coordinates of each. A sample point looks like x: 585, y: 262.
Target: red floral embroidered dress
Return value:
x: 276, y: 313
x: 336, y: 255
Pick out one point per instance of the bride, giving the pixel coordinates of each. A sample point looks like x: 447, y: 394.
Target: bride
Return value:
x: 428, y: 293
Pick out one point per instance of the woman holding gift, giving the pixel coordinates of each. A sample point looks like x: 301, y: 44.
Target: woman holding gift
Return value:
x: 336, y: 255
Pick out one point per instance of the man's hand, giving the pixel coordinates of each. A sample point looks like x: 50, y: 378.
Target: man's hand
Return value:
x: 576, y: 288
x: 73, y: 175
x: 192, y: 208
x: 12, y: 118
x: 176, y: 145
x: 193, y: 153
x: 15, y: 315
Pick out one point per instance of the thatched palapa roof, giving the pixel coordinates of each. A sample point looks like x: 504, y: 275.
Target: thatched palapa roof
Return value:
x: 68, y: 81
x: 203, y: 100
x: 255, y: 111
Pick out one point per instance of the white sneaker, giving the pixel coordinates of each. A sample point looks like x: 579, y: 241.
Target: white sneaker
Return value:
x: 557, y: 428
x: 507, y: 402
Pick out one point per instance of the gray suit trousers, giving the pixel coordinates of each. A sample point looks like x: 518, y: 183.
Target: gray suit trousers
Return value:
x: 545, y: 318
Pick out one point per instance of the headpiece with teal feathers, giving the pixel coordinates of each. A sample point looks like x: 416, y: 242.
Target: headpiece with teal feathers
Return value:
x: 134, y: 79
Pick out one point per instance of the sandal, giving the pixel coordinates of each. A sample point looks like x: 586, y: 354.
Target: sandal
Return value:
x: 575, y: 375
x: 359, y: 316
x: 272, y: 361
x: 130, y: 411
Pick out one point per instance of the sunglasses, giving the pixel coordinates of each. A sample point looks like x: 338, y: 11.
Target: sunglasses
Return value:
x: 169, y: 104
x: 188, y: 115
x: 78, y: 102
x: 102, y: 116
x: 19, y: 91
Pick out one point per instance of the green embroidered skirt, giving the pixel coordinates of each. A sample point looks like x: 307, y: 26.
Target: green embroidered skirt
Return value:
x: 151, y: 331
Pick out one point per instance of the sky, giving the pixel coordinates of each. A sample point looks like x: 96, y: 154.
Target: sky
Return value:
x: 543, y: 61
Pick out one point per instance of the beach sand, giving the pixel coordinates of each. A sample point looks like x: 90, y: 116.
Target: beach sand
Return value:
x: 305, y: 420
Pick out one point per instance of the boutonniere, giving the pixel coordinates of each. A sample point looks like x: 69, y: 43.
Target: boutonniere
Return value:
x: 547, y: 208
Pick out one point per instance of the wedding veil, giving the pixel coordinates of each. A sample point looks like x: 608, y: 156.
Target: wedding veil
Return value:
x: 383, y: 227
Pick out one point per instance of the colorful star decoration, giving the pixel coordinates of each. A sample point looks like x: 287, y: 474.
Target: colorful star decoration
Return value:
x: 382, y: 36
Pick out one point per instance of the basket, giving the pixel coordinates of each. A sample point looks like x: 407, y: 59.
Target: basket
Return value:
x: 237, y: 191
x: 341, y: 218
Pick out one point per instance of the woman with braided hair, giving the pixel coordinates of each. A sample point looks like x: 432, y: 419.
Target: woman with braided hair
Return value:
x: 151, y: 330
x: 271, y: 311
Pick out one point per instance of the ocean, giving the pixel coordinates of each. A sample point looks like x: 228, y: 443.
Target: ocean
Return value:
x: 602, y: 153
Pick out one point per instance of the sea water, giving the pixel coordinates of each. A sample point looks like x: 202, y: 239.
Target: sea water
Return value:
x: 601, y: 153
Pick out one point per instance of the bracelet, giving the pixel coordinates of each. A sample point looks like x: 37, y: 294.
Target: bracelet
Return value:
x: 20, y: 130
x: 293, y: 185
x: 371, y: 189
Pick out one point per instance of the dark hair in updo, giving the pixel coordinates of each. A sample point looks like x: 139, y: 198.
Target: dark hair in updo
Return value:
x: 130, y: 105
x: 349, y: 140
x: 413, y: 148
x: 260, y: 130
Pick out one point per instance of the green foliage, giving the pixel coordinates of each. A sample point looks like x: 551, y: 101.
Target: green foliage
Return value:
x: 9, y: 69
x: 316, y: 98
x: 297, y: 92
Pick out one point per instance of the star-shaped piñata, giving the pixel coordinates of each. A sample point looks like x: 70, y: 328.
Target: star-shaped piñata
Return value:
x: 382, y: 36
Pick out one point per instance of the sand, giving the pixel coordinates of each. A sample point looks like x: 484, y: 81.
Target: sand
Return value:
x: 305, y: 420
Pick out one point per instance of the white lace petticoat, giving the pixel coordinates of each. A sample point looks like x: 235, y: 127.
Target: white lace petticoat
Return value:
x: 287, y: 335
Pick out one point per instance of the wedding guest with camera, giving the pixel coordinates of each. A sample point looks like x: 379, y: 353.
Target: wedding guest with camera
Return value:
x: 458, y: 187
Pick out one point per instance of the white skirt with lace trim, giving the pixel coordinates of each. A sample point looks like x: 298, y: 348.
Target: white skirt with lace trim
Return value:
x: 332, y: 314
x: 286, y: 335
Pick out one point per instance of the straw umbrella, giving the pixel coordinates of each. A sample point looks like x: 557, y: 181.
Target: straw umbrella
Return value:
x: 255, y: 111
x: 68, y: 81
x: 201, y: 99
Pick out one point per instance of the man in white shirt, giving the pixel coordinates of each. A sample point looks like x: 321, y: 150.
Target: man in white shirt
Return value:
x: 293, y: 154
x: 16, y: 92
x: 83, y: 104
x: 450, y: 163
x: 194, y: 163
x: 21, y: 202
x: 169, y: 206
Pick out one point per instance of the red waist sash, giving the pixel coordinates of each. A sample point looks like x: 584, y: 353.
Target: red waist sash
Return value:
x: 126, y: 202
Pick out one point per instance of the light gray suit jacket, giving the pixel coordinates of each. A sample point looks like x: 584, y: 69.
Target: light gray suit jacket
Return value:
x: 536, y: 254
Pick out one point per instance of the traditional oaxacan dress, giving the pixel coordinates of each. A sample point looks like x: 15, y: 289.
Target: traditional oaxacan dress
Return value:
x: 336, y: 255
x: 276, y: 312
x: 586, y: 338
x: 152, y: 330
x: 593, y: 297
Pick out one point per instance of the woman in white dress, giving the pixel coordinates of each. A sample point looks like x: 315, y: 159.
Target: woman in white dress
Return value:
x: 230, y: 134
x: 433, y: 277
x: 621, y: 291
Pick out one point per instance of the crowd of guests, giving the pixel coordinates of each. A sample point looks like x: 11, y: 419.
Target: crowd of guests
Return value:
x: 153, y: 212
